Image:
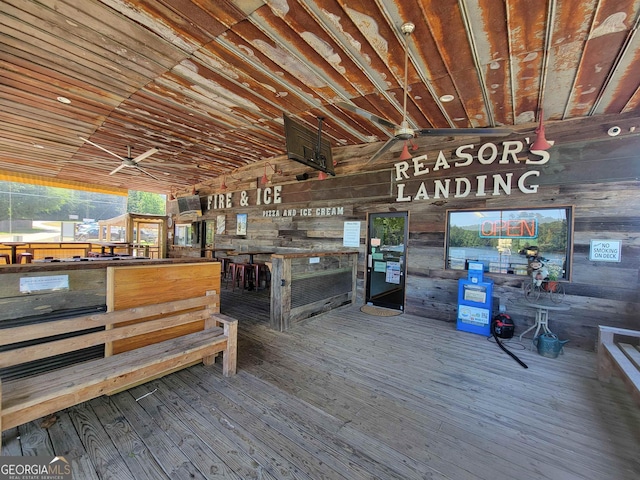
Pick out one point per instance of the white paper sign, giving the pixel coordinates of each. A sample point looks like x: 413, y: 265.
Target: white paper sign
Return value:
x: 351, y: 234
x: 473, y: 315
x: 393, y: 273
x: 38, y: 284
x: 605, y: 250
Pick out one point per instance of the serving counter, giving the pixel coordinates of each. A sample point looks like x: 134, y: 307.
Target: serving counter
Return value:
x: 83, y: 285
x: 37, y: 293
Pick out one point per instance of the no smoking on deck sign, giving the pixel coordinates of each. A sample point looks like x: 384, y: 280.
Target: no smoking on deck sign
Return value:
x: 605, y: 250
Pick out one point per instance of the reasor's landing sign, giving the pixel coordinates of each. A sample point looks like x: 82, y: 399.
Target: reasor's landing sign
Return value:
x: 605, y: 250
x: 480, y: 185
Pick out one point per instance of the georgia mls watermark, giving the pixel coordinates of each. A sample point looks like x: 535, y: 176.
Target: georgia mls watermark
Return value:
x: 34, y: 468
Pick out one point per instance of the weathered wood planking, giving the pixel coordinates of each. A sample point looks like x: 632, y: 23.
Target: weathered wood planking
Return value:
x: 136, y: 286
x: 349, y: 395
x: 598, y: 178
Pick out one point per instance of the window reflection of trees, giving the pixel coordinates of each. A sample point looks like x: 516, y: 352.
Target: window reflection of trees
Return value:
x: 502, y: 251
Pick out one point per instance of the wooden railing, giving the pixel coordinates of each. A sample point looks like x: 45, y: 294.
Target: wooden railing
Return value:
x: 62, y: 250
x: 305, y: 284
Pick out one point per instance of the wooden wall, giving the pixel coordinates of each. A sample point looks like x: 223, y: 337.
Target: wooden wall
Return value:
x: 596, y: 174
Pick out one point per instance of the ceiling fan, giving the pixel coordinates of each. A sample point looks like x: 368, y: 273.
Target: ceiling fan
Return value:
x: 404, y: 131
x: 127, y: 161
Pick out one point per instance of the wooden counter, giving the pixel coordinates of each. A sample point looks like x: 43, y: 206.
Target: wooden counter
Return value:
x: 35, y: 294
x: 91, y: 264
x: 86, y: 289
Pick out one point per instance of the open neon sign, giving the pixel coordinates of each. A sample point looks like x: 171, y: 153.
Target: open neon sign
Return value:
x: 520, y: 228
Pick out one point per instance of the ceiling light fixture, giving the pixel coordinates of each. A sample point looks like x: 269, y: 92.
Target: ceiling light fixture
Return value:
x: 223, y: 185
x: 540, y: 143
x: 64, y: 100
x: 264, y: 180
x: 405, y: 155
x: 447, y: 98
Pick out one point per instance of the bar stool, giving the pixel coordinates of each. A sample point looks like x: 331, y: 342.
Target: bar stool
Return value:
x: 7, y: 257
x: 28, y: 257
x: 229, y: 273
x: 258, y: 270
x: 239, y: 273
x: 268, y: 266
x: 224, y: 267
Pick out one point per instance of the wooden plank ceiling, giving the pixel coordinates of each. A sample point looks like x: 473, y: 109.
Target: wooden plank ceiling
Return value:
x: 207, y: 81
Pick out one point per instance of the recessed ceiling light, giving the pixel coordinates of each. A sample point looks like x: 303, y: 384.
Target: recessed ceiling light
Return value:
x: 36, y: 145
x: 64, y: 100
x: 446, y: 98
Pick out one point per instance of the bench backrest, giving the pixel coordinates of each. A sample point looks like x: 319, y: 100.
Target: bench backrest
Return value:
x: 142, y: 325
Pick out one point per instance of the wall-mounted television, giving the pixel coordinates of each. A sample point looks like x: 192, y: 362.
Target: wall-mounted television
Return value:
x: 307, y: 146
x: 190, y: 205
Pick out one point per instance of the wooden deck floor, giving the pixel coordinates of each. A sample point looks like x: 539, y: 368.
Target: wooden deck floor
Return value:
x: 353, y: 396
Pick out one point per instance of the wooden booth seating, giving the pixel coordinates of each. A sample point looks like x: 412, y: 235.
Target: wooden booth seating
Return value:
x: 25, y: 399
x: 616, y: 355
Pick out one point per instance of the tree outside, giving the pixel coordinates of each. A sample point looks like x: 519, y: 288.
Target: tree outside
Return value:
x: 37, y: 213
x: 146, y: 203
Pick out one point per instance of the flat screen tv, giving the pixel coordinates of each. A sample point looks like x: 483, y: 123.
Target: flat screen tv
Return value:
x: 307, y: 146
x: 190, y: 205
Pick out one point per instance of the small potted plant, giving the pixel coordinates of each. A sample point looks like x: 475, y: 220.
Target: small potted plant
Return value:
x: 551, y: 283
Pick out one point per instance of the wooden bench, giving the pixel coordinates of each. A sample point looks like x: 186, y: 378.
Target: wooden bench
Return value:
x: 619, y: 357
x: 25, y: 399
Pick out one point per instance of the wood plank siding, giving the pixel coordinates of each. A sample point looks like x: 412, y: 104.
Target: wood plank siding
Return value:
x: 346, y: 395
x: 598, y: 178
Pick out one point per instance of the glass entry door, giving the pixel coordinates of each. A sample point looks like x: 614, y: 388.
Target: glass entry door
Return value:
x: 386, y: 265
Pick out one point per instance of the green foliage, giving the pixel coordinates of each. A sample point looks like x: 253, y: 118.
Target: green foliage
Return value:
x: 554, y: 270
x: 20, y: 201
x: 390, y: 230
x: 552, y: 237
x: 146, y: 203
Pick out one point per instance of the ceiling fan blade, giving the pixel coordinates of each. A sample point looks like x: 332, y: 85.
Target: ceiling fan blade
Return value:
x: 481, y: 132
x: 144, y: 155
x: 382, y: 150
x: 147, y: 173
x: 369, y: 115
x: 101, y: 148
x: 117, y: 169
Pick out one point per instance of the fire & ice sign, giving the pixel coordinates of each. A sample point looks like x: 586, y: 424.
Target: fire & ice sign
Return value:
x: 605, y: 250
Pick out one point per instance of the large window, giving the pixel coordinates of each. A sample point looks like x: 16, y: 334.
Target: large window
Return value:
x: 507, y: 241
